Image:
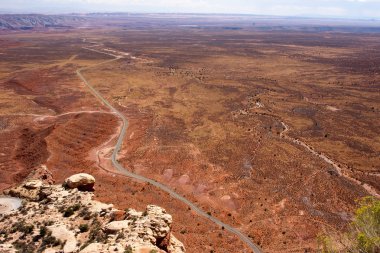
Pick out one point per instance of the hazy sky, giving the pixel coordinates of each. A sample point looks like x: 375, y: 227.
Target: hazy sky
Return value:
x: 329, y: 8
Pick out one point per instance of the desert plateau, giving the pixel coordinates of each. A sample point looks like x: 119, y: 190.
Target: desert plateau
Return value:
x: 254, y: 133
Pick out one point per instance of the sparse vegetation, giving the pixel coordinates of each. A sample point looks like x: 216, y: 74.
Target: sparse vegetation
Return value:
x: 85, y: 213
x: 50, y: 240
x: 83, y: 228
x: 71, y: 210
x: 24, y: 247
x: 364, y: 232
x: 128, y: 249
x: 96, y: 232
x: 43, y: 231
x: 22, y: 227
x: 214, y: 85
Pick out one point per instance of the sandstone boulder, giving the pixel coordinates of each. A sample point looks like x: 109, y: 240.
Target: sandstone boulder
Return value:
x: 33, y: 184
x: 81, y: 181
x: 115, y: 226
x: 63, y: 234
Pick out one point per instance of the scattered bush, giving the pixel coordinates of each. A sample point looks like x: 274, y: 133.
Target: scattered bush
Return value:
x: 128, y: 249
x: 364, y: 232
x: 24, y: 247
x: 43, y: 231
x: 85, y: 213
x: 96, y: 232
x: 83, y: 228
x: 68, y: 212
x: 120, y: 236
x: 71, y: 210
x: 50, y: 240
x: 22, y: 227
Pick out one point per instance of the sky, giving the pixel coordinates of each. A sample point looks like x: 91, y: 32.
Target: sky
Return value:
x: 364, y: 9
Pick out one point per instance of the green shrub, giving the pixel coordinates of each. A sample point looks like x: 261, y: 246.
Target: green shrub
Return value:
x: 83, y: 228
x: 128, y: 249
x: 22, y: 227
x: 364, y: 231
x: 96, y: 232
x: 43, y: 231
x: 367, y: 225
x: 50, y: 240
x: 71, y: 210
x: 24, y: 247
x: 68, y: 212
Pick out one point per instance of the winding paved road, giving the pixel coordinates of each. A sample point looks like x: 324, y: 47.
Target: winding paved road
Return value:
x: 162, y: 187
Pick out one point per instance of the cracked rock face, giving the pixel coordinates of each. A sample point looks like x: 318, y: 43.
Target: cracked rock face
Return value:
x: 58, y: 219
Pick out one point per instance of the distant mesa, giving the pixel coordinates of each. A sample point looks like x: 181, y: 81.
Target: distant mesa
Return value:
x: 36, y: 21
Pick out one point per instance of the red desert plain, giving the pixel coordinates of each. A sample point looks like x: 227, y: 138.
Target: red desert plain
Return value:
x: 269, y: 125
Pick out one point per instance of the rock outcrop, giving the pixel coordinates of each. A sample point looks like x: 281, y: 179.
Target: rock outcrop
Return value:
x: 81, y: 181
x: 55, y: 218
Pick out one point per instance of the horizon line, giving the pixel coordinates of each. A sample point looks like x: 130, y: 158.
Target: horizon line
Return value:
x: 320, y: 17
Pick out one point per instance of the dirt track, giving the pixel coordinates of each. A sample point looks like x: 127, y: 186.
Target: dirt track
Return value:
x: 336, y: 166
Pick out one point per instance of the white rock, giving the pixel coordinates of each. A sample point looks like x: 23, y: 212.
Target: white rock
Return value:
x: 50, y: 250
x: 63, y: 234
x: 160, y: 221
x: 116, y: 226
x: 175, y: 245
x: 93, y: 247
x: 33, y: 184
x: 143, y: 249
x: 97, y: 206
x: 81, y: 181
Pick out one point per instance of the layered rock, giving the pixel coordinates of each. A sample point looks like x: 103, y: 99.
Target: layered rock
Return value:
x: 57, y: 218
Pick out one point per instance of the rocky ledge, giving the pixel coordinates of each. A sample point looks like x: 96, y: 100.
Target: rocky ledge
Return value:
x: 64, y: 218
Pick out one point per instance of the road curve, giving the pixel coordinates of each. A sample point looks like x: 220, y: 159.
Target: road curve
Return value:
x: 162, y: 187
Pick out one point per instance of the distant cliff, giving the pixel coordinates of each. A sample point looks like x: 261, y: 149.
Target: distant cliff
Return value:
x: 36, y: 21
